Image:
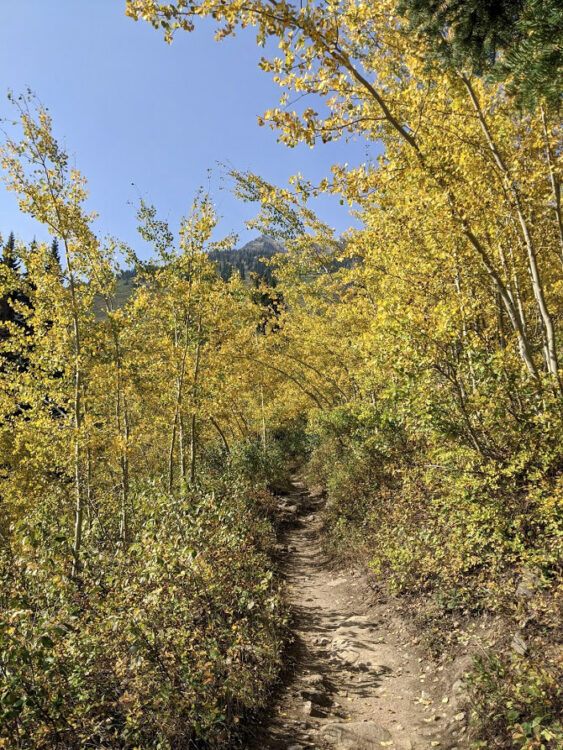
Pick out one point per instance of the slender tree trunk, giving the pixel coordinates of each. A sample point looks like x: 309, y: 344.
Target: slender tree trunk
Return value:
x: 77, y: 418
x: 122, y: 425
x: 500, y: 321
x: 193, y: 420
x: 125, y: 530
x: 513, y: 286
x: 511, y: 186
x: 61, y: 228
x: 178, y: 407
x: 513, y: 314
x: 193, y: 447
x: 181, y: 448
x: 89, y: 493
x: 465, y: 337
x: 263, y: 415
x: 458, y: 215
x: 242, y: 424
x: 321, y: 375
x: 289, y: 376
x: 221, y: 434
x: 554, y: 182
x: 171, y: 452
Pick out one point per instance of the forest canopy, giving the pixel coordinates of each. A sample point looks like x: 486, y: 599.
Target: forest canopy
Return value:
x: 411, y: 367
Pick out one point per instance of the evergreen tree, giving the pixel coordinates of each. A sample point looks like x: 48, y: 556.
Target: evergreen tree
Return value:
x: 534, y: 66
x: 55, y: 251
x: 54, y: 259
x: 9, y: 257
x: 516, y: 42
x: 13, y: 296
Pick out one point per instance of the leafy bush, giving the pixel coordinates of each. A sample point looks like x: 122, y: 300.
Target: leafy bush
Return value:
x: 517, y: 704
x: 429, y: 516
x: 167, y: 644
x: 432, y: 516
x: 271, y: 467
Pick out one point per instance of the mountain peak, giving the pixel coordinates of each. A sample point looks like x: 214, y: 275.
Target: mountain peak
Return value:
x: 262, y: 245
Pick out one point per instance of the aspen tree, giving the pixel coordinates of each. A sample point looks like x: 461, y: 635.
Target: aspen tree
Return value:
x: 38, y: 171
x: 451, y: 135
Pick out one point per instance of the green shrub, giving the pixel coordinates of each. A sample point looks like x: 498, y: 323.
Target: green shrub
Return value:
x: 433, y: 516
x: 167, y: 644
x: 268, y: 467
x: 516, y: 704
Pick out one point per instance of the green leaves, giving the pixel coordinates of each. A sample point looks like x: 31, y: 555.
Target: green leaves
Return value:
x: 516, y: 703
x: 157, y: 651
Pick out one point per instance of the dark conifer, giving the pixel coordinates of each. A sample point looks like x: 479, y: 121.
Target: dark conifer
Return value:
x: 11, y: 302
x: 9, y: 256
x: 55, y: 251
x: 516, y: 41
x: 54, y: 257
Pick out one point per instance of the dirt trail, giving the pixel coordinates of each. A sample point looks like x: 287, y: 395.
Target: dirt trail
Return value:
x: 356, y: 681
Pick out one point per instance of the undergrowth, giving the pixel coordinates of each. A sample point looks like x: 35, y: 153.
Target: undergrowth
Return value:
x: 432, y: 520
x: 170, y: 643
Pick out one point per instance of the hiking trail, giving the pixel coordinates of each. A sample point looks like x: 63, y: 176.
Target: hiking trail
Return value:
x: 356, y: 678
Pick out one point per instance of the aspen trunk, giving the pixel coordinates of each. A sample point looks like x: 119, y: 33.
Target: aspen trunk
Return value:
x: 464, y: 334
x: 554, y: 183
x: 181, y: 448
x: 177, y: 408
x: 77, y: 407
x: 171, y: 453
x: 340, y: 57
x: 221, y: 434
x: 124, y: 531
x: 193, y: 448
x: 122, y: 426
x: 513, y: 190
x: 89, y: 493
x: 263, y: 414
x: 78, y: 421
x: 193, y: 420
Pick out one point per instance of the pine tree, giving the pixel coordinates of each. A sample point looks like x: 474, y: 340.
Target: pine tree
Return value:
x: 9, y: 257
x: 15, y: 296
x: 534, y: 67
x: 55, y: 251
x: 515, y: 42
x: 54, y: 258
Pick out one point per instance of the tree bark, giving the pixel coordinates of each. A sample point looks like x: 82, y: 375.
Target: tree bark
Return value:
x: 193, y: 420
x: 512, y: 188
x: 554, y: 182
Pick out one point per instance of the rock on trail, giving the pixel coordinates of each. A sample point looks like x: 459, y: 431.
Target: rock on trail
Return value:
x: 355, y: 680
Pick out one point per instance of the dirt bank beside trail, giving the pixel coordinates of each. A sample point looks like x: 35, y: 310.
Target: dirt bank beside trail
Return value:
x: 356, y: 680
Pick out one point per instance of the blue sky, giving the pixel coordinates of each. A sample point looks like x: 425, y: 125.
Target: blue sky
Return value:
x: 131, y: 109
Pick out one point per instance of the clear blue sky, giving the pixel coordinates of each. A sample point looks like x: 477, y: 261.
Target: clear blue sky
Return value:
x: 131, y: 109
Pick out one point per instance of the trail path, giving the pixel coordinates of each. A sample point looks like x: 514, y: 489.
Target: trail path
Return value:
x: 356, y: 679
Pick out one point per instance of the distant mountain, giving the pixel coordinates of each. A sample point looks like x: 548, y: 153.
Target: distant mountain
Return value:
x: 124, y: 286
x: 247, y: 260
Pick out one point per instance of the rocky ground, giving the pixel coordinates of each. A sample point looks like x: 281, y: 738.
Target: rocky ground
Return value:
x: 357, y: 679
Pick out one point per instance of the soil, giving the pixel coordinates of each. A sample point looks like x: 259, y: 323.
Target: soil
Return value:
x: 357, y: 677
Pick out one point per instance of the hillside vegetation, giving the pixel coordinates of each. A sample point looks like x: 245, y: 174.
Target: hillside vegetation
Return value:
x: 249, y: 263
x: 412, y: 367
